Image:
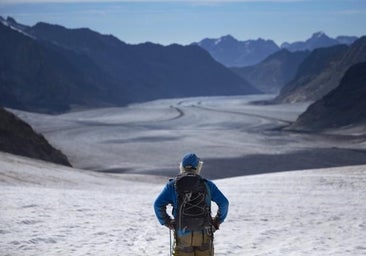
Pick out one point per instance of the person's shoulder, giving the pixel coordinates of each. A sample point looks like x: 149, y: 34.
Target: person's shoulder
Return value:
x: 169, y: 186
x: 170, y: 182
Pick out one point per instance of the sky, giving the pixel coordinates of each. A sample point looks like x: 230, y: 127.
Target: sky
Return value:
x: 188, y: 21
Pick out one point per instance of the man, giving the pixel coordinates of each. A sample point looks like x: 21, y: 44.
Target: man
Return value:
x: 191, y: 196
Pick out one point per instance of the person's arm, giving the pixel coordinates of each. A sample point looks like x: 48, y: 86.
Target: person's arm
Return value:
x: 161, y: 202
x: 223, y: 204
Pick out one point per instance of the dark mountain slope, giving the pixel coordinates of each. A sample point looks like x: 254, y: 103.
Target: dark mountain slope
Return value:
x: 312, y: 74
x: 322, y: 71
x: 17, y: 137
x: 46, y: 78
x: 160, y: 72
x: 345, y: 105
x: 274, y: 72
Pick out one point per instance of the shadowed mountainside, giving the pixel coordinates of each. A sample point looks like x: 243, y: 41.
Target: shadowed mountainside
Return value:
x: 46, y: 78
x: 322, y: 71
x: 343, y: 106
x: 274, y: 72
x: 17, y: 137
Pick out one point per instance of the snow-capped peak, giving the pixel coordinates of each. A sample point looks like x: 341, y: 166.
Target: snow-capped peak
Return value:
x: 318, y: 34
x: 12, y: 24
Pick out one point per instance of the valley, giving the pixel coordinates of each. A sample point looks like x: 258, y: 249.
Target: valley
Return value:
x: 228, y: 133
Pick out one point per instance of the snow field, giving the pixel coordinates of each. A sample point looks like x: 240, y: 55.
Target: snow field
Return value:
x: 52, y: 210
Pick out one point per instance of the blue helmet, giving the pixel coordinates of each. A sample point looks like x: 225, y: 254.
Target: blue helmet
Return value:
x: 190, y: 161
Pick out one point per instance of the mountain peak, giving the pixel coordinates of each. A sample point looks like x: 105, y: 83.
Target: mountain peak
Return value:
x: 225, y: 39
x: 12, y: 24
x: 319, y: 34
x: 228, y: 37
x: 317, y: 40
x: 11, y: 20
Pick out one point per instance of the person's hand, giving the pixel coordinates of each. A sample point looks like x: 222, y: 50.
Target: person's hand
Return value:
x: 170, y: 224
x: 216, y: 223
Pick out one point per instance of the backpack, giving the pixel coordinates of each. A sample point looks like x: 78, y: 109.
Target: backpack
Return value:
x: 193, y: 212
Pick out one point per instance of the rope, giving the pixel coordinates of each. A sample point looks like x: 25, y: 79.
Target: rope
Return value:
x: 191, y: 205
x: 170, y: 240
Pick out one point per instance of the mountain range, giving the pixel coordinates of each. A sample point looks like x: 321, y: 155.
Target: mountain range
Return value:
x: 234, y: 53
x: 304, y: 75
x: 50, y: 68
x: 318, y: 40
x: 322, y: 70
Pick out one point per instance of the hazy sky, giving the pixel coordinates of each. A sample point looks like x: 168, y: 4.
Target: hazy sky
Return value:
x: 189, y: 21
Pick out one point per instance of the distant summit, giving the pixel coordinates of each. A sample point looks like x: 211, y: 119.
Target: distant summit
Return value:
x: 234, y: 53
x: 227, y: 40
x: 318, y: 40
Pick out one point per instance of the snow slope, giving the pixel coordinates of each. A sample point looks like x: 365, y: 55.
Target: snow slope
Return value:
x: 47, y: 209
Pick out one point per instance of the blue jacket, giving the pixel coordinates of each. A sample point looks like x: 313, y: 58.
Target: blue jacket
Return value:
x: 169, y: 196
